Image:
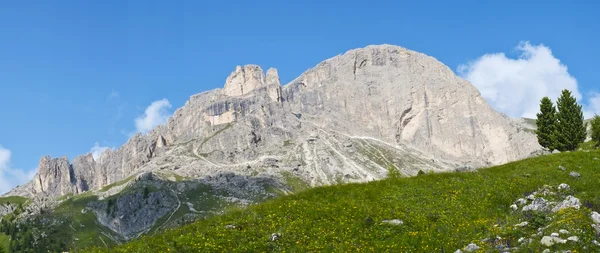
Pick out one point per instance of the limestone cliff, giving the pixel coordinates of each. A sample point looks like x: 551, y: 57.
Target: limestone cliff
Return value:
x: 351, y: 118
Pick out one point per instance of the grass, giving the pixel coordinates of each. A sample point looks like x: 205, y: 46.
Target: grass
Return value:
x: 115, y: 184
x: 178, y: 178
x: 4, y: 242
x: 590, y: 145
x: 441, y: 213
x: 294, y: 182
x: 13, y: 200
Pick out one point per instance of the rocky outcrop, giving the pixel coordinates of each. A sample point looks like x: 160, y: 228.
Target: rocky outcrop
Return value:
x: 248, y: 78
x: 54, y: 175
x: 7, y: 209
x: 58, y: 177
x: 134, y: 213
x: 401, y: 96
x: 352, y: 118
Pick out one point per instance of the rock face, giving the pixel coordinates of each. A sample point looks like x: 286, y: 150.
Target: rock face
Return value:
x: 134, y: 213
x: 6, y: 209
x: 352, y: 118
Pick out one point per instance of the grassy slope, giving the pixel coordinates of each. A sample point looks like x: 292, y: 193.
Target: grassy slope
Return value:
x: 442, y: 212
x: 83, y: 229
x: 4, y: 241
x: 13, y: 199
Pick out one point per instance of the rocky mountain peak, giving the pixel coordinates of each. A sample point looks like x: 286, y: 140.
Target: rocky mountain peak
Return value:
x: 272, y: 77
x: 54, y: 175
x: 243, y: 80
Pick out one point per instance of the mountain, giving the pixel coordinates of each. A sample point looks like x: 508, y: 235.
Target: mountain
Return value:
x: 392, y: 97
x: 357, y: 117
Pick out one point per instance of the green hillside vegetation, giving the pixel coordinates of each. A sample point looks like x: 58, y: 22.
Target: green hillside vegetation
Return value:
x: 13, y: 199
x: 440, y: 213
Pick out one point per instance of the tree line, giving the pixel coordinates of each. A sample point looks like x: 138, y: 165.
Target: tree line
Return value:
x: 563, y: 127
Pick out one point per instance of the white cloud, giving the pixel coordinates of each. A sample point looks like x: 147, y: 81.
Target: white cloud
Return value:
x: 97, y: 150
x: 10, y: 177
x: 593, y: 107
x: 516, y: 86
x: 156, y: 114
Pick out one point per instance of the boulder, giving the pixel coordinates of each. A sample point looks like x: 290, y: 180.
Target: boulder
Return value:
x: 595, y: 217
x: 393, y: 222
x: 549, y: 241
x: 471, y: 247
x: 538, y: 204
x: 569, y: 202
x: 275, y: 237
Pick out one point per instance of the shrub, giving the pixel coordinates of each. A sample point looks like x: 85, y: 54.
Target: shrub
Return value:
x: 570, y: 128
x: 546, y: 124
x: 596, y: 130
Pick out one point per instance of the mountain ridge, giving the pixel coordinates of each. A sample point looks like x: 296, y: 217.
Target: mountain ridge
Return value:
x: 326, y: 100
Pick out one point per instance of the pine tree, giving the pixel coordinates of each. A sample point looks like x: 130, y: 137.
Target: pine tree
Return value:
x: 570, y: 129
x: 596, y: 130
x: 546, y: 124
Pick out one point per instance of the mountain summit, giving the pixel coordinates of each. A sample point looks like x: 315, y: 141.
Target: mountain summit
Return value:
x: 352, y: 118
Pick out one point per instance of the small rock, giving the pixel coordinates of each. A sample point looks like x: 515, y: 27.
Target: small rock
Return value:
x: 521, y: 201
x: 549, y: 241
x: 471, y: 247
x: 275, y: 236
x: 546, y: 251
x: 563, y: 187
x: 595, y: 158
x: 574, y: 174
x: 230, y: 226
x: 560, y: 167
x: 573, y: 239
x: 563, y: 231
x: 596, y: 217
x: 596, y: 242
x: 597, y: 228
x: 522, y: 224
x: 531, y: 197
x: 521, y: 240
x: 514, y: 207
x: 393, y: 222
x: 555, y: 235
x: 556, y: 152
x: 465, y: 168
x: 458, y: 251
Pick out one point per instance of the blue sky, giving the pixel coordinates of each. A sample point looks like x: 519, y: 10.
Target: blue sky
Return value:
x: 77, y: 73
